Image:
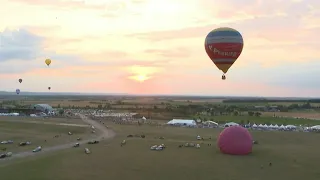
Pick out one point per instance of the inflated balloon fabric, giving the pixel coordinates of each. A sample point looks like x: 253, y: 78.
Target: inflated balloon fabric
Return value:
x: 235, y: 140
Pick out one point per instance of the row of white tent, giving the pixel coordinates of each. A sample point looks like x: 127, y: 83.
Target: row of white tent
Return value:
x: 317, y: 127
x: 276, y: 126
x: 255, y: 126
x: 9, y: 114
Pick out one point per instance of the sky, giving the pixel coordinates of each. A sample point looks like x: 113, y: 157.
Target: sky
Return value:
x: 157, y: 47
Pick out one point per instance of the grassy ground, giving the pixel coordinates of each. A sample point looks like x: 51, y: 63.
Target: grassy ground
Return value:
x: 294, y: 156
x: 37, y: 134
x: 307, y: 115
x: 49, y: 119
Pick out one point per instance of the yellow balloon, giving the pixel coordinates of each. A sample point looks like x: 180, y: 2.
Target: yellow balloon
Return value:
x: 48, y: 61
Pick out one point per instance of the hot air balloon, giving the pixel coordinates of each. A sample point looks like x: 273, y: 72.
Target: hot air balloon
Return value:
x: 49, y: 88
x: 18, y: 91
x: 224, y: 45
x: 20, y: 80
x: 48, y: 62
x: 235, y: 140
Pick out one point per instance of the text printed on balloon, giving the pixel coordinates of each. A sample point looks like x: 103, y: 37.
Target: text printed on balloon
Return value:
x: 217, y: 51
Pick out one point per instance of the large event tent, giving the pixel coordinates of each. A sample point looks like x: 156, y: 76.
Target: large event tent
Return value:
x: 182, y: 122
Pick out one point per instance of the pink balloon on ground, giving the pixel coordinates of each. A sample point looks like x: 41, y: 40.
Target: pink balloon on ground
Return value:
x: 235, y: 140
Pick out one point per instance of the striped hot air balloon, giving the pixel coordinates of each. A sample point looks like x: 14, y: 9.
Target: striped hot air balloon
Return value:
x: 224, y: 45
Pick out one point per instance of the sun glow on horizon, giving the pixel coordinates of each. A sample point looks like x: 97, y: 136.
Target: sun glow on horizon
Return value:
x: 139, y: 78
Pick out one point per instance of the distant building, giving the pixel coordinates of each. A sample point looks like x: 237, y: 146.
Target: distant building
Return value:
x: 42, y: 108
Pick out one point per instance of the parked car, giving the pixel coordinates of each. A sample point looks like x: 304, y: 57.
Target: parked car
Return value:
x: 24, y: 143
x: 93, y: 142
x: 39, y: 148
x: 87, y: 151
x: 8, y: 154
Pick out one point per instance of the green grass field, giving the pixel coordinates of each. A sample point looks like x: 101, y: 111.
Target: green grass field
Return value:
x: 294, y: 156
x: 49, y: 119
x: 37, y: 134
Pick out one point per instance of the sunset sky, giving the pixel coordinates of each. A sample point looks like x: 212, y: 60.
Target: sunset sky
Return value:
x: 157, y: 46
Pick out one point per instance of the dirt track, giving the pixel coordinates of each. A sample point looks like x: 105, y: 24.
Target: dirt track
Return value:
x: 104, y: 134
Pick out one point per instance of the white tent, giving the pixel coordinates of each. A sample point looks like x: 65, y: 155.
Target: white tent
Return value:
x: 182, y: 122
x: 316, y: 127
x: 271, y: 126
x: 254, y: 126
x: 210, y: 123
x: 231, y: 124
x: 276, y: 126
x: 291, y: 126
x: 265, y: 126
x: 144, y: 118
x: 260, y: 125
x: 282, y: 126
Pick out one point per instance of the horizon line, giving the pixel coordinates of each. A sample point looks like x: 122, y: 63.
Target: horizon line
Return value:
x: 152, y: 95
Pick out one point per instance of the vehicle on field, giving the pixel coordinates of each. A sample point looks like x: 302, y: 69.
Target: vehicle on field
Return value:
x: 39, y: 148
x: 6, y: 142
x: 24, y: 143
x: 76, y: 145
x: 8, y: 154
x: 93, y: 142
x: 3, y: 156
x: 70, y: 133
x: 87, y: 151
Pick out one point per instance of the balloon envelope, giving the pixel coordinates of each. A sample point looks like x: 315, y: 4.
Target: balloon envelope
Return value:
x: 235, y: 140
x: 224, y: 46
x: 48, y: 62
x: 20, y: 80
x: 49, y: 88
x: 18, y: 91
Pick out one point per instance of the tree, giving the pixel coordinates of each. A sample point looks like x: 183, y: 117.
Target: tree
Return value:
x: 306, y: 106
x: 100, y: 106
x: 250, y: 113
x: 61, y: 112
x: 258, y: 114
x: 119, y: 102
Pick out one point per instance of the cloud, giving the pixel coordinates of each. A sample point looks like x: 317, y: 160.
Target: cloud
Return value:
x: 19, y: 44
x: 181, y: 52
x: 63, y: 4
x: 282, y: 28
x: 22, y: 51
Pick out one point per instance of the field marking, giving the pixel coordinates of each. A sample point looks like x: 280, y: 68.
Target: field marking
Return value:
x: 103, y: 131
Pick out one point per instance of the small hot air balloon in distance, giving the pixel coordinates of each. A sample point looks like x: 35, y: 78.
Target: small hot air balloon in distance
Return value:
x: 49, y: 88
x: 18, y: 91
x: 20, y: 80
x: 224, y: 45
x: 48, y: 62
